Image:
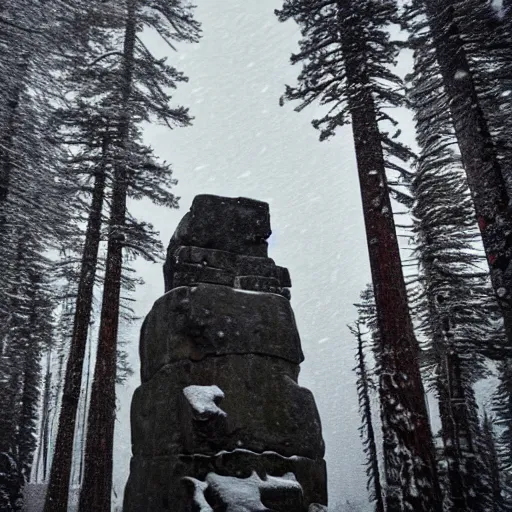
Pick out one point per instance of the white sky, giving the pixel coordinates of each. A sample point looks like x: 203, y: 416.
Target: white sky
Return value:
x: 243, y: 144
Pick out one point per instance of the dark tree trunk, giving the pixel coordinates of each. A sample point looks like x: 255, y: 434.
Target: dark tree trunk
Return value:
x: 479, y: 157
x: 410, y: 465
x: 371, y: 445
x: 42, y: 455
x: 58, y: 488
x: 97, y: 485
x: 84, y: 414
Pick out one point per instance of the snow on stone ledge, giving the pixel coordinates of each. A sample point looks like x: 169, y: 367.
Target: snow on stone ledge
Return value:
x: 241, y: 494
x: 199, y: 499
x: 316, y: 507
x: 203, y: 400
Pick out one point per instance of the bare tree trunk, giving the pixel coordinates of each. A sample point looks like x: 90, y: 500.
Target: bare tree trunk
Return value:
x: 45, y: 445
x: 56, y: 407
x: 97, y: 485
x: 410, y: 466
x: 479, y: 157
x: 58, y: 488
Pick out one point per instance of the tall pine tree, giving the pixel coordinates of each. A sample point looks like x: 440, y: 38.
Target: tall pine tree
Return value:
x: 139, y: 95
x: 347, y: 55
x: 367, y: 430
x: 454, y: 302
x: 477, y: 146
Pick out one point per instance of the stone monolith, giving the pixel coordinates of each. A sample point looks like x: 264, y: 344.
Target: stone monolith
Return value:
x: 219, y: 422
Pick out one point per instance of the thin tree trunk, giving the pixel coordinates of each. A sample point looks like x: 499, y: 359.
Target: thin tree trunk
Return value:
x: 58, y: 488
x: 410, y: 466
x: 370, y: 433
x: 97, y: 485
x: 479, y: 157
x: 45, y: 412
x: 56, y: 409
x: 84, y: 416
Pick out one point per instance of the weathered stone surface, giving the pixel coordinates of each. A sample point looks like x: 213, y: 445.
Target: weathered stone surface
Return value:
x: 220, y: 422
x: 266, y: 409
x: 192, y: 275
x: 192, y: 323
x: 188, y: 266
x: 257, y: 283
x: 158, y: 485
x: 238, y: 225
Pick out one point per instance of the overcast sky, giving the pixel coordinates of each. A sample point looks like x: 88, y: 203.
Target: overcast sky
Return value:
x: 243, y: 144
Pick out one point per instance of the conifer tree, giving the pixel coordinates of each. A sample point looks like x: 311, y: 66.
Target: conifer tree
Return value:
x: 139, y: 95
x: 85, y: 129
x: 485, y: 174
x: 455, y: 306
x: 485, y: 34
x: 30, y: 39
x: 30, y: 330
x: 347, y: 51
x: 367, y: 430
x: 33, y: 200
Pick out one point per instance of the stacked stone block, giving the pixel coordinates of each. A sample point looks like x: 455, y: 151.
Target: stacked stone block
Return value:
x: 219, y: 421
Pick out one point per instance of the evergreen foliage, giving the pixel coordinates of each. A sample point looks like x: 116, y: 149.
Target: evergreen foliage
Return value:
x: 366, y: 429
x: 458, y: 313
x: 490, y: 476
x: 140, y: 95
x: 79, y: 87
x: 476, y: 140
x: 454, y: 303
